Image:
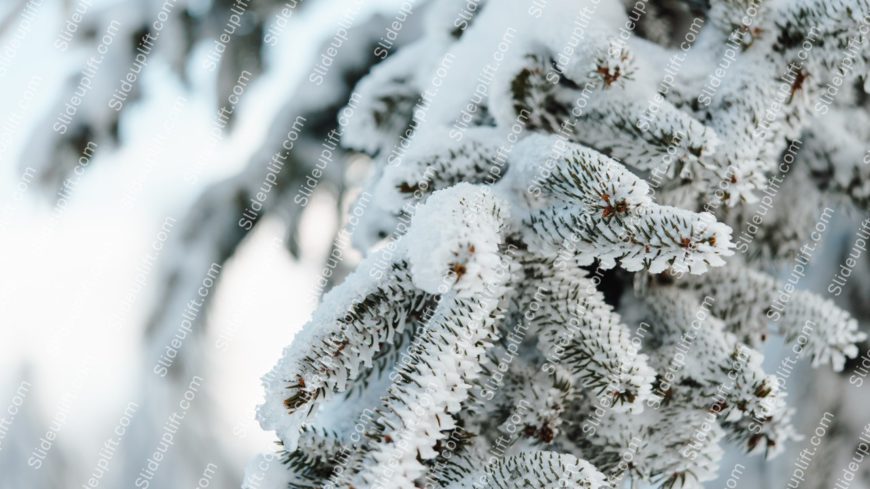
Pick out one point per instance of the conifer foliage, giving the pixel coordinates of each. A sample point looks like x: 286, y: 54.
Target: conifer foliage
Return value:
x: 553, y: 293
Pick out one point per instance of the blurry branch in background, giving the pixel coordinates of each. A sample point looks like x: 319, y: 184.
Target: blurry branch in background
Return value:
x: 122, y: 41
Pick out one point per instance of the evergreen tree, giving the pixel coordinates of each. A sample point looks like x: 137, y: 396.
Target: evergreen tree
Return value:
x: 560, y: 288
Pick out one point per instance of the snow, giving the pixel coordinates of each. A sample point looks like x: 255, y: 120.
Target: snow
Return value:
x: 455, y: 237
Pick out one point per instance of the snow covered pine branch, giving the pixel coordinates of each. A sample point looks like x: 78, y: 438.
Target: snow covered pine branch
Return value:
x: 552, y: 293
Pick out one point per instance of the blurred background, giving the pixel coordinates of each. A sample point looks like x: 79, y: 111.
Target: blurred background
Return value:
x: 112, y: 221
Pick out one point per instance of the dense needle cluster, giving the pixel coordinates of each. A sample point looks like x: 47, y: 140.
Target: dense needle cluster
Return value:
x: 552, y: 295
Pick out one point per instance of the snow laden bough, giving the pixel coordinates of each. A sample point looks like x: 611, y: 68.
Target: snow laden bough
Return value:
x: 559, y: 311
x: 427, y: 312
